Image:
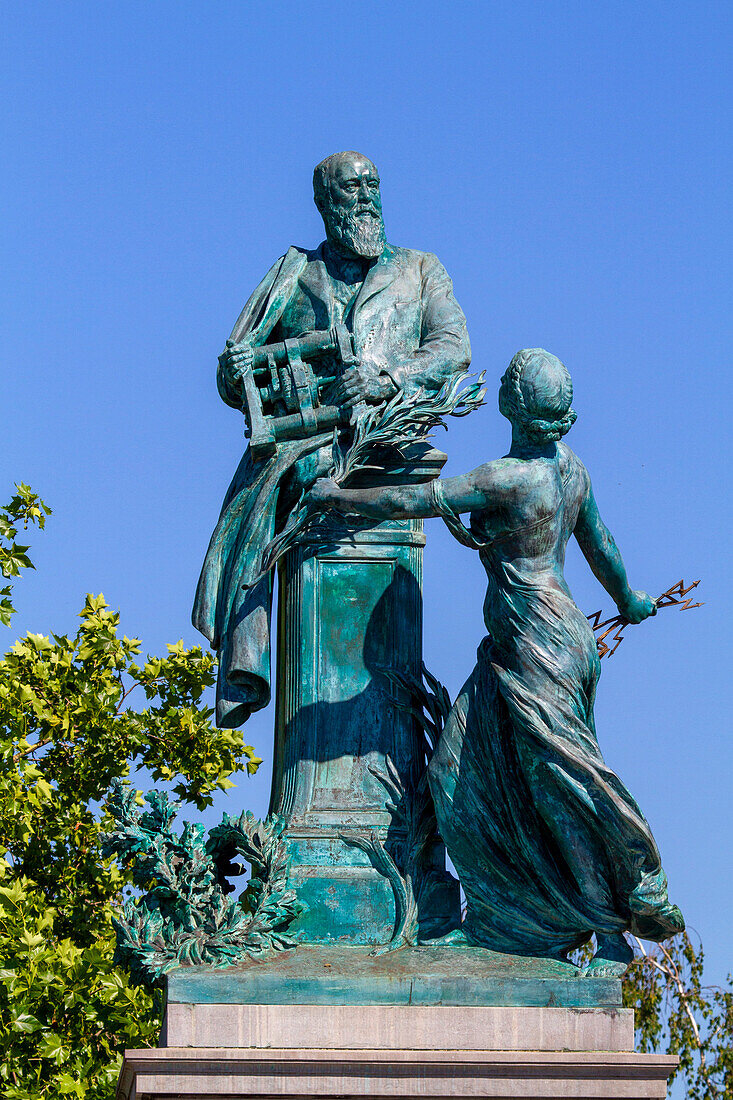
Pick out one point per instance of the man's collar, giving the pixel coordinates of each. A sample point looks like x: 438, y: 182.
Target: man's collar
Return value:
x: 379, y: 276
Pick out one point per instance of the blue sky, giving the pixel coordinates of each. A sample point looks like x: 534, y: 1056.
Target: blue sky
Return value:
x: 568, y: 163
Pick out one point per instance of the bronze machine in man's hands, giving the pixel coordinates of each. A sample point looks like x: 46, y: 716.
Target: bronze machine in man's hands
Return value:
x: 284, y: 386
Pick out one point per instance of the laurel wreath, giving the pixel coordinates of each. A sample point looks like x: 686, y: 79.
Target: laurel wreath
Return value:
x: 186, y: 915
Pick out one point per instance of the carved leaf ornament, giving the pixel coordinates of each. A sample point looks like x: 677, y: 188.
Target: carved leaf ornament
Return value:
x: 186, y: 915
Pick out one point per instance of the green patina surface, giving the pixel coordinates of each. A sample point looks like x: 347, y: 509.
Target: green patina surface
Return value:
x: 549, y: 845
x: 375, y: 770
x: 365, y: 338
x: 350, y: 614
x: 411, y: 976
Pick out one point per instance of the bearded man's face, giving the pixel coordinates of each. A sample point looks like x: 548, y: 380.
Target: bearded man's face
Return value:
x: 353, y: 208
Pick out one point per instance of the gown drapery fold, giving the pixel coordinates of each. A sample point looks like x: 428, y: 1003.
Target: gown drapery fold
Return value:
x: 548, y: 843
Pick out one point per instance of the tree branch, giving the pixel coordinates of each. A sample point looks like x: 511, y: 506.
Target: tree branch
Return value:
x: 671, y: 973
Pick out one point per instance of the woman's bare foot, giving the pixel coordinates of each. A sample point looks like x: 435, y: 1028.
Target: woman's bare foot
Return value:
x: 455, y: 938
x: 612, y: 958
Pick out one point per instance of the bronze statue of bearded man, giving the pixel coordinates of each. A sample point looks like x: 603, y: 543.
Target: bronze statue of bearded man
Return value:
x: 408, y: 332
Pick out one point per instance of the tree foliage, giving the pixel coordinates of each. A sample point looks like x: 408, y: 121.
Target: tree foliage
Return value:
x: 69, y: 729
x: 26, y: 507
x: 674, y: 1010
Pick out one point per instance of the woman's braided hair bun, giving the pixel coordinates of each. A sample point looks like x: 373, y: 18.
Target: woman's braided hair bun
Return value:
x: 540, y: 392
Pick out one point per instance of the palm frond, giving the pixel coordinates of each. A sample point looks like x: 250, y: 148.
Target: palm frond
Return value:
x: 404, y: 419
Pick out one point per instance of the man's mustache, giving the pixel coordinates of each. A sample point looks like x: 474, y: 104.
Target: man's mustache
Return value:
x: 366, y: 209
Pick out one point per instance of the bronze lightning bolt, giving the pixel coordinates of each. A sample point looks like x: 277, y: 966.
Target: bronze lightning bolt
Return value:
x: 673, y: 597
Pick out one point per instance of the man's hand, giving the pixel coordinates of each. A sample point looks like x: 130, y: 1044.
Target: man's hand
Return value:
x: 637, y: 606
x: 234, y: 361
x: 362, y: 383
x: 325, y: 494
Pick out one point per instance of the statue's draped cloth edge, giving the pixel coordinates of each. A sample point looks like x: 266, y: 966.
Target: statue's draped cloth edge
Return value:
x: 235, y: 618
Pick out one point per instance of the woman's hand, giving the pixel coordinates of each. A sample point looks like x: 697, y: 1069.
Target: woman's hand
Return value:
x: 325, y: 494
x: 637, y: 606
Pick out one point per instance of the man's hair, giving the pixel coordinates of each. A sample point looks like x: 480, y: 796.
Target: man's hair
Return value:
x: 322, y: 174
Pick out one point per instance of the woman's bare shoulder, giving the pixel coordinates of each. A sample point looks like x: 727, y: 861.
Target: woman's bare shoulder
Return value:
x: 571, y: 463
x: 506, y: 475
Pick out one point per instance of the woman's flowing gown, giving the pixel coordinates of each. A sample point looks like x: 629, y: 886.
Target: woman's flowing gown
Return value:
x: 548, y: 843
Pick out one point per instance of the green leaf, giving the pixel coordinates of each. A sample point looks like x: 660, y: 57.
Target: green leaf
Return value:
x: 27, y: 1023
x: 52, y: 1047
x: 14, y: 559
x: 31, y: 939
x: 68, y: 1085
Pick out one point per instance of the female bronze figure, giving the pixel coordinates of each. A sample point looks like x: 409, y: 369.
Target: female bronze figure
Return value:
x: 549, y: 845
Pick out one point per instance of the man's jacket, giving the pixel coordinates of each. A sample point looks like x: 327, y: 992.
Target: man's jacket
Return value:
x: 405, y: 322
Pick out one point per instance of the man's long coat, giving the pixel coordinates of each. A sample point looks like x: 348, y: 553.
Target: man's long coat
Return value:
x: 406, y: 323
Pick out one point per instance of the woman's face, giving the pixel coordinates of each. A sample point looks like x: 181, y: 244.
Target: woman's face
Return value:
x: 505, y: 407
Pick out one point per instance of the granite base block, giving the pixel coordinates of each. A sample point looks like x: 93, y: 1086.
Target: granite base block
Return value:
x: 185, y: 1074
x: 397, y: 1027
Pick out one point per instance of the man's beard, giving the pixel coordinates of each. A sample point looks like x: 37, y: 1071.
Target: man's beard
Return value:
x: 361, y: 232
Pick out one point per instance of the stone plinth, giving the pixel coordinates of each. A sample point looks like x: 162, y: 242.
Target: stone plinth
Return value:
x: 349, y: 611
x: 419, y: 1022
x: 398, y: 1027
x: 426, y: 976
x: 188, y: 1073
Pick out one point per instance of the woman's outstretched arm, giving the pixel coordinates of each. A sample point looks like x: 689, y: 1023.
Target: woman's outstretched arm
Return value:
x: 484, y: 487
x: 604, y: 558
x: 385, y: 502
